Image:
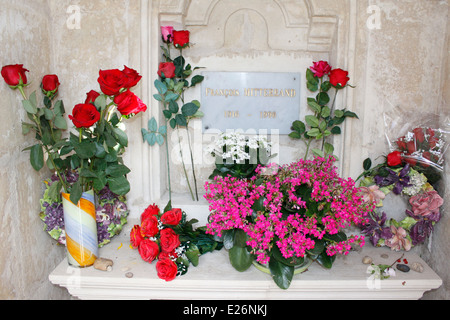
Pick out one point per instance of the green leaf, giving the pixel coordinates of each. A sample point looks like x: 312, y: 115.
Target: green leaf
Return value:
x: 181, y: 120
x: 240, y: 238
x: 75, y: 192
x: 196, y: 79
x: 228, y: 239
x: 26, y: 127
x: 173, y: 107
x: 167, y: 114
x: 310, y: 77
x: 336, y: 130
x: 158, y: 97
x: 28, y: 106
x: 240, y: 258
x: 100, y: 102
x: 161, y: 87
x: 117, y: 170
x: 85, y: 149
x: 314, y: 105
x: 323, y: 98
x: 281, y: 273
x: 293, y: 261
x: 312, y: 121
x: 60, y: 122
x: 319, y: 247
x: 313, y: 132
x: 121, y: 136
x: 189, y: 109
x: 318, y: 153
x: 295, y: 135
x: 325, y: 112
x: 325, y: 260
x: 326, y: 85
x: 328, y: 148
x: 350, y: 114
x: 151, y: 138
x: 59, y: 108
x: 172, y: 96
x: 367, y: 164
x: 299, y: 127
x: 119, y: 185
x: 152, y: 125
x: 339, y: 113
x: 163, y: 130
x: 193, y: 254
x: 173, y: 123
x: 159, y: 139
x: 37, y: 157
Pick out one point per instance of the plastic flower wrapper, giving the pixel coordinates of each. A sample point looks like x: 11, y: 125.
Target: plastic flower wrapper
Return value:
x: 111, y: 212
x: 422, y: 141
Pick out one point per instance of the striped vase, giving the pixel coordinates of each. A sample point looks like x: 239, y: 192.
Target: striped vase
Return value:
x: 81, y: 230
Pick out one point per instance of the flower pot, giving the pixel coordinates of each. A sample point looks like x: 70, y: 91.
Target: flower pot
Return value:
x: 81, y: 230
x: 297, y: 269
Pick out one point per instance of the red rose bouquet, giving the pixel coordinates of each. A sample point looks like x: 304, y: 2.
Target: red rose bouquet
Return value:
x: 95, y: 154
x: 325, y: 120
x: 424, y: 147
x: 171, y: 240
x: 176, y: 76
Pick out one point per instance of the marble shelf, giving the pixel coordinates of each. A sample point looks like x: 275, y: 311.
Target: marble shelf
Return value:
x: 215, y: 279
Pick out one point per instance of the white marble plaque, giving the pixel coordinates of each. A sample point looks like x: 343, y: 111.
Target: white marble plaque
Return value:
x: 250, y: 101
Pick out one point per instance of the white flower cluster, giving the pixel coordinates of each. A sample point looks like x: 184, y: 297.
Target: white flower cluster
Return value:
x: 417, y: 180
x: 235, y: 146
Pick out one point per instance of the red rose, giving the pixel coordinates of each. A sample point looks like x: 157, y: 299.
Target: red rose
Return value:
x: 14, y: 75
x: 394, y: 158
x: 418, y: 133
x: 133, y: 77
x: 111, y: 81
x: 166, y: 269
x: 50, y: 85
x: 339, y: 78
x: 149, y: 227
x: 136, y: 236
x: 181, y: 38
x: 128, y: 103
x: 320, y: 68
x: 427, y: 156
x: 84, y: 115
x: 401, y: 144
x: 91, y: 96
x: 166, y: 70
x: 152, y: 210
x: 167, y: 255
x: 148, y: 250
x: 172, y: 217
x: 169, y: 240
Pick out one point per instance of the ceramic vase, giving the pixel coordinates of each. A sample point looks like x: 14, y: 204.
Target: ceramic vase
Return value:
x: 81, y: 230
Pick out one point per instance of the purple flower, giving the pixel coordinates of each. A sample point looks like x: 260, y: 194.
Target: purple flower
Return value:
x: 54, y: 216
x: 424, y: 226
x: 375, y: 228
x: 399, y: 180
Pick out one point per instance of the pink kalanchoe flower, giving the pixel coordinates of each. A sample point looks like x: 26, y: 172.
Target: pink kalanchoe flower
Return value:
x: 320, y: 68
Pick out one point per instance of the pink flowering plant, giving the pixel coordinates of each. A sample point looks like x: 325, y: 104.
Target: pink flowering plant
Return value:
x: 285, y: 216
